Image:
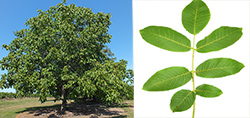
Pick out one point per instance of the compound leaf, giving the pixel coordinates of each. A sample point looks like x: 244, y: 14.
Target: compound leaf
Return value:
x: 166, y: 38
x: 167, y: 79
x: 182, y: 100
x: 219, y: 39
x: 218, y: 67
x: 195, y: 16
x: 206, y: 90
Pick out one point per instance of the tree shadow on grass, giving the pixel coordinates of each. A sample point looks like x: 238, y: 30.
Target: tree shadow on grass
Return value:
x: 91, y: 110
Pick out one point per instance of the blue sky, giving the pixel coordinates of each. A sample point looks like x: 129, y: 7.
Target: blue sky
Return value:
x: 14, y: 13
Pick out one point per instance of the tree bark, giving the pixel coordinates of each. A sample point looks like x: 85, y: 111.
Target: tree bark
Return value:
x: 64, y: 101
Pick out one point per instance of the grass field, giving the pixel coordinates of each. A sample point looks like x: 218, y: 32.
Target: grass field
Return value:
x: 10, y: 108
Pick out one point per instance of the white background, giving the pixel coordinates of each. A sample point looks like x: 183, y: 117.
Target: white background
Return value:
x: 235, y: 100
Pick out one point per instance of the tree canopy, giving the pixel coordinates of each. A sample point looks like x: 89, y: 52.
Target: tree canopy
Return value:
x: 63, y: 53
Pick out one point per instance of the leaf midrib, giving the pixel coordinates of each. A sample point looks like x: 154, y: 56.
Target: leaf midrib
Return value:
x: 218, y: 68
x: 156, y: 83
x: 206, y: 91
x: 161, y: 36
x: 209, y: 43
x: 183, y: 100
x: 195, y: 18
x: 209, y: 92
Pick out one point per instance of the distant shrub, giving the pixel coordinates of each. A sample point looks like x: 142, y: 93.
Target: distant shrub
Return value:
x: 5, y: 95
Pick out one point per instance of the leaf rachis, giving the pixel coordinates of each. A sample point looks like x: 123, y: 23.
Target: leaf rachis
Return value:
x: 195, y: 17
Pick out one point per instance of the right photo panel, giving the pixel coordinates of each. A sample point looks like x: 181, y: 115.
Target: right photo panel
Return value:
x: 191, y: 58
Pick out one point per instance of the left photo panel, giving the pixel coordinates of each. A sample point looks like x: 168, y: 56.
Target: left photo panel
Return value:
x: 66, y: 59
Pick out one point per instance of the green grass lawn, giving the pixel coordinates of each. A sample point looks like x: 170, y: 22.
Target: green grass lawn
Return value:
x: 10, y: 108
x: 130, y: 108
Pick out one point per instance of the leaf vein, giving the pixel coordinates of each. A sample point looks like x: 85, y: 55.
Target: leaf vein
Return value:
x: 183, y: 100
x: 206, y: 44
x: 183, y: 74
x: 218, y: 68
x: 171, y: 40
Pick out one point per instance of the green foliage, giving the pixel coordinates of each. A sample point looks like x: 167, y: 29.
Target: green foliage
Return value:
x: 14, y: 95
x: 64, y: 1
x: 195, y: 17
x: 166, y: 38
x: 130, y: 81
x: 7, y: 95
x: 107, y: 83
x: 130, y: 94
x: 206, y: 90
x: 167, y: 79
x: 219, y: 39
x: 182, y: 100
x: 63, y: 54
x: 218, y: 67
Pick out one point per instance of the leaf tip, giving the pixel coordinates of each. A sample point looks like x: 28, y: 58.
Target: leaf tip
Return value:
x: 241, y: 65
x: 172, y: 109
x: 221, y: 92
x: 141, y: 31
x: 146, y: 88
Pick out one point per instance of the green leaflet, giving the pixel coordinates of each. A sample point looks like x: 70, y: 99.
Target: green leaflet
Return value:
x: 219, y: 39
x: 195, y: 16
x: 166, y: 38
x: 167, y: 79
x: 218, y: 67
x: 206, y: 90
x: 182, y: 100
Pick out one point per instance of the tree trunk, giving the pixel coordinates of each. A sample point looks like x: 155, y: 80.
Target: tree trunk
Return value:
x: 64, y: 101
